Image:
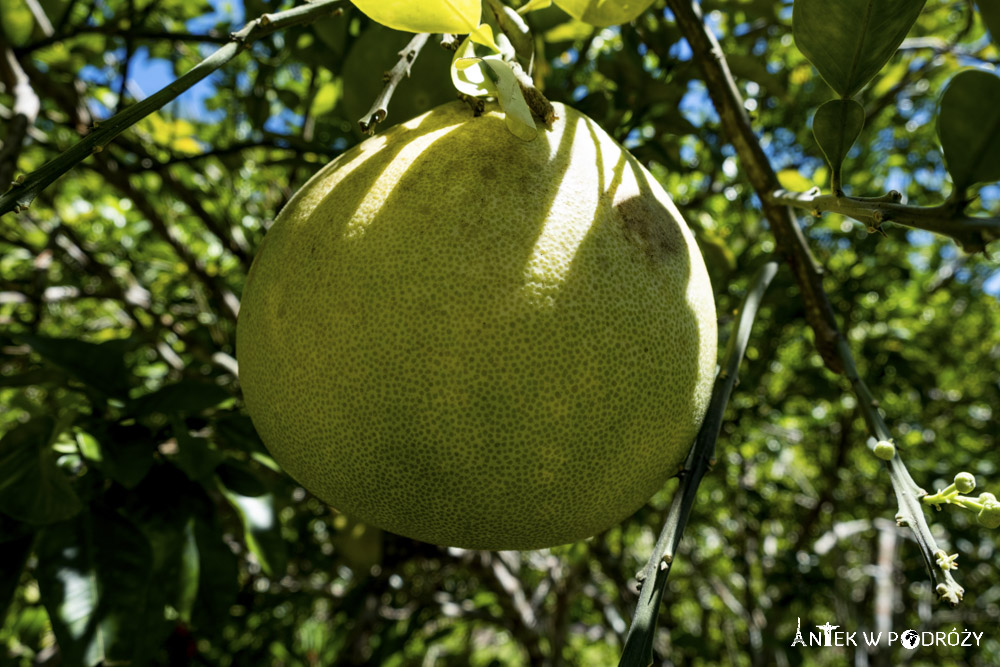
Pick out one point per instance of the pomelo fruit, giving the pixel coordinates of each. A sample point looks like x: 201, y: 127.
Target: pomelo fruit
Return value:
x: 477, y: 341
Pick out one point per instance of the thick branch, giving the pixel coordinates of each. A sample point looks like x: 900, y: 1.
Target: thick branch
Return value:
x: 791, y: 242
x: 380, y: 107
x: 947, y: 219
x: 22, y: 196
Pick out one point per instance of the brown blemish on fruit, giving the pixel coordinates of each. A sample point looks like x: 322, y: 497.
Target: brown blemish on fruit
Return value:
x: 646, y: 220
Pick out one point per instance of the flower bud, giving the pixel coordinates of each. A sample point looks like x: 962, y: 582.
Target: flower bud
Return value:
x: 989, y: 516
x: 965, y: 482
x: 885, y: 450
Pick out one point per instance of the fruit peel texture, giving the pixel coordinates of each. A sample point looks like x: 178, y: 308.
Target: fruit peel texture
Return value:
x: 476, y: 341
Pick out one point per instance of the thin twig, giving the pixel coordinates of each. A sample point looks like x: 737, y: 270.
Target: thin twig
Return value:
x: 830, y: 342
x: 947, y: 219
x: 380, y: 107
x: 22, y: 196
x: 638, y: 651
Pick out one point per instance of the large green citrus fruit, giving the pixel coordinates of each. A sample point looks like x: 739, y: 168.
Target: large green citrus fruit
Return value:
x: 477, y: 341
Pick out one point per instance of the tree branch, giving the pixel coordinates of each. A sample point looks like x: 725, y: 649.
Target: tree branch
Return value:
x: 830, y: 342
x: 638, y: 651
x: 947, y: 219
x: 22, y: 196
x: 380, y: 107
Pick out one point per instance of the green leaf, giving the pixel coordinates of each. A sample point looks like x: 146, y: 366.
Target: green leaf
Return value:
x: 261, y: 529
x: 124, y: 452
x: 164, y: 507
x: 467, y: 73
x: 849, y: 41
x: 793, y: 180
x: 603, y: 13
x: 13, y: 555
x: 185, y: 397
x: 93, y: 574
x: 969, y: 128
x: 327, y: 97
x: 570, y: 31
x: 18, y: 22
x: 533, y: 5
x: 517, y: 114
x: 195, y: 456
x: 32, y: 487
x: 190, y: 570
x: 836, y: 126
x: 443, y: 16
x: 989, y: 10
x: 98, y: 365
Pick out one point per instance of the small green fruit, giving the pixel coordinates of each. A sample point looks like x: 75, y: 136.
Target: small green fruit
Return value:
x: 476, y: 341
x: 885, y: 450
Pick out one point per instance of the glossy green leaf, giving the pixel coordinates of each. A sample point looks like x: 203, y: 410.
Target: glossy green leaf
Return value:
x: 98, y: 365
x: 969, y: 127
x: 32, y: 487
x: 603, y: 13
x: 989, y: 10
x: 442, y: 16
x: 849, y: 41
x: 836, y: 126
x: 94, y: 574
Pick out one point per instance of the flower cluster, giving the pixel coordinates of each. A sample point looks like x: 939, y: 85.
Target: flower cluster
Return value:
x: 986, y: 505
